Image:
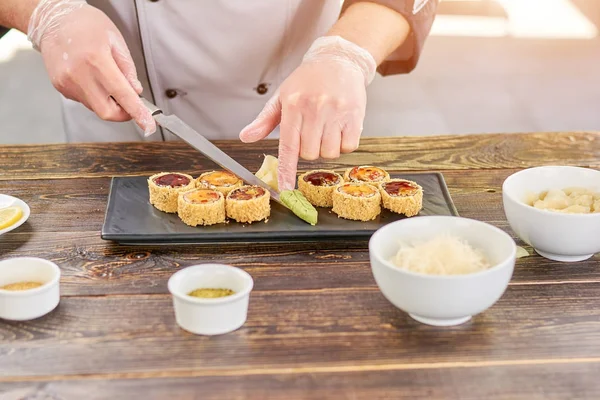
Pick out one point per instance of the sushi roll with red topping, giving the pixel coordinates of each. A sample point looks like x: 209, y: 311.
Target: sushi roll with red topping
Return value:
x: 402, y: 196
x: 248, y: 204
x: 164, y: 188
x: 318, y: 186
x: 357, y: 201
x: 201, y: 207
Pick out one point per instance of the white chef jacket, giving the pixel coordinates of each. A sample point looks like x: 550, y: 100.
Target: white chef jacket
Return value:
x: 213, y: 63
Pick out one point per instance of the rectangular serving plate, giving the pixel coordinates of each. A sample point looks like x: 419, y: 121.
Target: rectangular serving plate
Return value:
x: 131, y: 220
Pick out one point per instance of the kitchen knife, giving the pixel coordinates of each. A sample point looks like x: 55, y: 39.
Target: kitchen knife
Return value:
x: 200, y: 143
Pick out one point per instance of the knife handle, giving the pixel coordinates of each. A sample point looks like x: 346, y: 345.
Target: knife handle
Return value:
x: 151, y: 107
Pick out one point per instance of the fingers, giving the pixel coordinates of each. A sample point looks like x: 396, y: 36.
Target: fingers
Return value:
x: 314, y: 114
x: 117, y: 86
x: 351, y: 133
x: 122, y: 57
x: 84, y: 87
x: 105, y: 107
x: 97, y: 82
x: 331, y: 141
x: 310, y: 129
x: 265, y: 123
x: 289, y: 144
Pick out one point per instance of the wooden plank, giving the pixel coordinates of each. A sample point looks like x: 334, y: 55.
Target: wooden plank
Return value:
x: 573, y: 380
x: 315, y: 311
x: 308, y: 330
x: 67, y: 216
x: 317, y: 322
x: 397, y: 153
x: 91, y: 266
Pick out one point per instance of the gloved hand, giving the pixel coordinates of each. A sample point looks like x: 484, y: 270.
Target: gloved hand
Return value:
x: 88, y: 61
x: 320, y: 107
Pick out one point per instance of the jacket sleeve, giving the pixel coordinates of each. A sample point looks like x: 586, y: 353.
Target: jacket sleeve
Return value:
x: 420, y: 15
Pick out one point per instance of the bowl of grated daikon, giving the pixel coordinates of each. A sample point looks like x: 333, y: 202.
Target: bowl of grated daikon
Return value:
x: 442, y: 270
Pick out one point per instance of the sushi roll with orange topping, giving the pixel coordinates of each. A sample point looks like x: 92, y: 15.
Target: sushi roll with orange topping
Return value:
x: 318, y: 186
x: 357, y: 201
x: 221, y: 181
x: 366, y: 174
x: 164, y: 188
x: 201, y: 207
x: 402, y: 196
x: 248, y: 204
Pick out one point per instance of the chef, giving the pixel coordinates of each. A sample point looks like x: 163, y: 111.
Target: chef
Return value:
x: 297, y: 69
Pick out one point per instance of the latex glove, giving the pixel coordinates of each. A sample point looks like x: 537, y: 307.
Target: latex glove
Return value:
x: 88, y: 60
x: 320, y: 107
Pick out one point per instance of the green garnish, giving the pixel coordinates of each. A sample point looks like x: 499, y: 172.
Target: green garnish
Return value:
x: 295, y: 201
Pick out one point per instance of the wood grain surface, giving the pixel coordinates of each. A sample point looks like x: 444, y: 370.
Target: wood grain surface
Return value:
x: 576, y: 379
x: 397, y: 154
x: 318, y: 327
x: 310, y: 329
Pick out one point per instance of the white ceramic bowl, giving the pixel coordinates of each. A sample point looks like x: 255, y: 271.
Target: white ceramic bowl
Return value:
x: 33, y: 303
x: 435, y: 299
x: 557, y: 236
x: 10, y: 201
x: 211, y: 316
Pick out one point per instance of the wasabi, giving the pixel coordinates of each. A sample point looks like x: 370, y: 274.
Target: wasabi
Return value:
x: 295, y: 201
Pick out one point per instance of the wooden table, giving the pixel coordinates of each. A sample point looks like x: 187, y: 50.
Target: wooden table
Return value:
x: 317, y: 327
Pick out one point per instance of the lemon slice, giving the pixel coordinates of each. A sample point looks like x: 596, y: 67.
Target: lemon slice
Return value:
x: 268, y: 171
x: 9, y: 216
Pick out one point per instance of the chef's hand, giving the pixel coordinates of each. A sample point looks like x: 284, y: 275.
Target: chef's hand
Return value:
x: 88, y: 61
x: 320, y: 107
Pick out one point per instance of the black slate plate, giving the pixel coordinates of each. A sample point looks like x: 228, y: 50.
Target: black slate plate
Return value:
x: 131, y: 219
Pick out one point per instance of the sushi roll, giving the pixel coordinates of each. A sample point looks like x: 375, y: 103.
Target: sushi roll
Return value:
x: 248, y: 204
x: 201, y: 207
x: 402, y: 196
x: 366, y: 173
x: 221, y: 181
x: 165, y: 187
x: 357, y: 201
x: 318, y: 186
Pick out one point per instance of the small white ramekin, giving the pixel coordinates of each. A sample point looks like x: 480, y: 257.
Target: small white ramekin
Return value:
x: 29, y: 304
x: 211, y: 316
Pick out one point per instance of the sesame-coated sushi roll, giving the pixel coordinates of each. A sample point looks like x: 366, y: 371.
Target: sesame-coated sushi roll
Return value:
x: 221, y: 181
x: 248, y: 204
x: 318, y: 186
x: 402, y: 196
x: 165, y: 187
x: 357, y: 201
x: 367, y: 174
x: 201, y: 207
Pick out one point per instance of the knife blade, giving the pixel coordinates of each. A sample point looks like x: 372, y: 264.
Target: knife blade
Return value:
x: 204, y: 146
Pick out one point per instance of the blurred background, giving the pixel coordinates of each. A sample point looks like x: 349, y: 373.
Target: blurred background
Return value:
x: 488, y: 66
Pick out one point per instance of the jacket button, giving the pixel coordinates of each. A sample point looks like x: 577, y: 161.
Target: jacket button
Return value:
x: 171, y: 93
x: 262, y: 88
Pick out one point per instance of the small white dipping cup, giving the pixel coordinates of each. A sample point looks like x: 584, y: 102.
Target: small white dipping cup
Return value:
x: 211, y: 316
x: 23, y: 305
